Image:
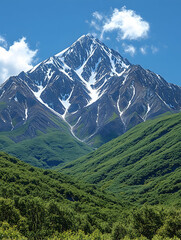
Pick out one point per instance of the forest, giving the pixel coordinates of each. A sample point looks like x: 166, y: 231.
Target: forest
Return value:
x: 45, y: 204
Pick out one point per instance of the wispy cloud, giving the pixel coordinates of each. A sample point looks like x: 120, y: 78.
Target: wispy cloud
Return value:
x: 130, y: 49
x: 3, y: 42
x: 98, y: 16
x: 94, y: 24
x: 143, y: 50
x: 154, y: 49
x: 96, y: 21
x: 19, y: 57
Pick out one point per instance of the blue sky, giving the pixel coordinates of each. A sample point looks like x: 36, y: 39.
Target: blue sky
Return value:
x: 31, y: 31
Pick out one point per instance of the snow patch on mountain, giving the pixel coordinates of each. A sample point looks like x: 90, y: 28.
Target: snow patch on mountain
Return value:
x: 146, y: 114
x: 66, y: 102
x: 118, y: 102
x: 34, y: 68
x: 92, y: 78
x: 163, y: 100
x: 49, y: 74
x: 129, y: 103
x: 97, y: 119
x: 60, y: 54
x: 93, y: 93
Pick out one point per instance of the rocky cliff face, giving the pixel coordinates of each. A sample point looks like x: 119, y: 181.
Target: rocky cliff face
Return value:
x: 92, y: 88
x: 19, y: 108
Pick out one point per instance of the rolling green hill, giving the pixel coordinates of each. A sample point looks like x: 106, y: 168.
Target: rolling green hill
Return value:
x: 45, y: 149
x: 45, y: 204
x: 41, y: 202
x: 143, y: 165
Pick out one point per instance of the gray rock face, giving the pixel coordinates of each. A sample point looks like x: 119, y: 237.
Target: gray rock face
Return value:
x: 92, y: 88
x: 20, y: 108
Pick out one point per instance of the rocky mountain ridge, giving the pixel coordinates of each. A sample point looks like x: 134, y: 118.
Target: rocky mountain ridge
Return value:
x: 94, y: 90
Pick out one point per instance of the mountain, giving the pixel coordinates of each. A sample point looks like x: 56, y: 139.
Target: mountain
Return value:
x: 142, y: 165
x: 98, y: 92
x: 85, y: 95
x: 31, y: 131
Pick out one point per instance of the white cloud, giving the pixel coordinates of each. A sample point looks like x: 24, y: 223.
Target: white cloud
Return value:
x: 108, y: 38
x: 154, y: 49
x: 96, y: 21
x: 19, y: 57
x: 130, y: 49
x: 3, y: 42
x: 128, y: 24
x: 97, y: 16
x: 143, y: 50
x: 94, y: 34
x: 95, y: 25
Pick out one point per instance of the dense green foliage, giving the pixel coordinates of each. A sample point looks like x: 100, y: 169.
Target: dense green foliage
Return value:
x: 44, y: 204
x: 45, y: 149
x: 143, y: 165
x: 41, y: 202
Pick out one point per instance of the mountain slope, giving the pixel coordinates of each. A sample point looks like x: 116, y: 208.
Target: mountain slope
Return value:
x: 143, y: 165
x: 45, y: 150
x: 31, y: 131
x: 86, y: 95
x: 98, y: 92
x: 42, y: 202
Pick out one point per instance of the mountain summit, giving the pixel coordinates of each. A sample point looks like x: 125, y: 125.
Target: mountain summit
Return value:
x: 96, y: 91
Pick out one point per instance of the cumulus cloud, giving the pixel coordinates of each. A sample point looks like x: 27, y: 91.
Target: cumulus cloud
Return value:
x: 128, y: 24
x: 18, y: 57
x: 125, y: 22
x: 130, y: 49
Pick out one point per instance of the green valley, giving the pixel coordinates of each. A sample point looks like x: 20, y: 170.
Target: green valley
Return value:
x: 45, y: 204
x: 141, y: 166
x: 47, y: 148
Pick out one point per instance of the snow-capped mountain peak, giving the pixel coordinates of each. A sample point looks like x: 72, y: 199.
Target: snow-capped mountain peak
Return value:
x: 98, y: 92
x: 87, y: 61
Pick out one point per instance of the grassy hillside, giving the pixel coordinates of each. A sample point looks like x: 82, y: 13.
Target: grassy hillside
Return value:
x: 35, y: 199
x: 44, y: 204
x: 46, y: 149
x: 143, y: 165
